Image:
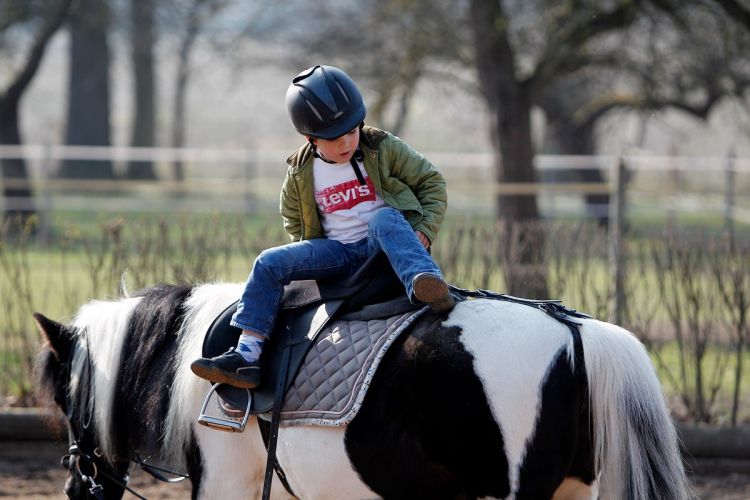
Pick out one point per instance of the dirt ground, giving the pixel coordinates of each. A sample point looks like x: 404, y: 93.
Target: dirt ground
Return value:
x: 31, y: 470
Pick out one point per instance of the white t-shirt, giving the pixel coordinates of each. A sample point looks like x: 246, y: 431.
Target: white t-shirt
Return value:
x: 345, y: 206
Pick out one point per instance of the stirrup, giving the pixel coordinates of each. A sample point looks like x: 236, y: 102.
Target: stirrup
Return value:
x: 233, y: 423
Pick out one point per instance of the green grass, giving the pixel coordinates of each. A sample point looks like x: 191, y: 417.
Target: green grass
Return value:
x: 90, y: 256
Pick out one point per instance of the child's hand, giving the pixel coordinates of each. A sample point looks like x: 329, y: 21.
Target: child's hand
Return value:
x: 424, y: 240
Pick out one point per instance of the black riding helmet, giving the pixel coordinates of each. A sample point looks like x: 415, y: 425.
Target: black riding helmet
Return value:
x: 324, y: 103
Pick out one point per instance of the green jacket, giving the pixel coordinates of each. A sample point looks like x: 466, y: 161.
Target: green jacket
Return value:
x: 404, y: 179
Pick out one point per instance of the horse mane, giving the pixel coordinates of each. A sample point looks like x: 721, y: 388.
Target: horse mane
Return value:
x: 108, y: 337
x: 130, y: 379
x: 101, y: 328
x: 148, y: 367
x: 203, y: 305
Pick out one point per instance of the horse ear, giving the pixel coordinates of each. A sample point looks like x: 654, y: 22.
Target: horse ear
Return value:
x: 56, y: 334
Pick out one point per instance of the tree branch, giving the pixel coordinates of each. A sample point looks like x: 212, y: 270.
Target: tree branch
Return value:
x: 24, y: 77
x: 736, y: 11
x: 563, y: 52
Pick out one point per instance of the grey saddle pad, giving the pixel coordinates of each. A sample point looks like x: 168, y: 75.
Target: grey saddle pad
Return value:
x: 333, y: 380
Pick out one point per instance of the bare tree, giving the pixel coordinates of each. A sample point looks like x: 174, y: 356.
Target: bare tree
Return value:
x: 142, y: 42
x: 88, y: 111
x: 736, y: 11
x: 194, y: 16
x: 14, y: 173
x: 729, y: 265
x: 567, y: 132
x: 689, y: 56
x: 388, y: 47
x: 513, y: 78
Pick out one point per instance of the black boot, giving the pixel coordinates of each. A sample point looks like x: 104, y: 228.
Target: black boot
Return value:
x: 228, y: 368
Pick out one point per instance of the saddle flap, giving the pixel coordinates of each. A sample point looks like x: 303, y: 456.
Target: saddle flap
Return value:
x: 307, y: 306
x: 295, y: 330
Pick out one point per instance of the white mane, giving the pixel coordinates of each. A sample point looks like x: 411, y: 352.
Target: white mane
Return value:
x: 102, y: 327
x: 201, y: 308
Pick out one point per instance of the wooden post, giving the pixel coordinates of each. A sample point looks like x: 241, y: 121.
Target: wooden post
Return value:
x: 45, y: 208
x: 730, y: 178
x: 250, y: 178
x: 616, y: 243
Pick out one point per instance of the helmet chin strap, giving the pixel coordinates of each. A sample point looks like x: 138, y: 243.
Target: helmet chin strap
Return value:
x: 356, y: 157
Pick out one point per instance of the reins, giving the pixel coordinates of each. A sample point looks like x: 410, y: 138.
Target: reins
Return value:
x: 155, y: 471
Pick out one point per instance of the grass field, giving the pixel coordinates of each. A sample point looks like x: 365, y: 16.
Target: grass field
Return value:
x: 97, y: 256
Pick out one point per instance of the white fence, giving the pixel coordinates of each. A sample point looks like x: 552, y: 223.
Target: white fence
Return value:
x: 237, y: 180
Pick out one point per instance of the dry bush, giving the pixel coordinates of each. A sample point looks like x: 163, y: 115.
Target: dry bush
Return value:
x: 730, y: 264
x: 690, y: 296
x: 687, y: 294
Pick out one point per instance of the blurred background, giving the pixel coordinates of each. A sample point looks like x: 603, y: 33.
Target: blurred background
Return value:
x: 595, y: 151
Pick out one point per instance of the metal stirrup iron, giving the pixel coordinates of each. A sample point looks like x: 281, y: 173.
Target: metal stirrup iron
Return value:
x: 224, y: 424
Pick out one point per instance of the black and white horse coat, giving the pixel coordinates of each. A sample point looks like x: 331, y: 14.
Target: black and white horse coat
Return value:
x: 482, y: 402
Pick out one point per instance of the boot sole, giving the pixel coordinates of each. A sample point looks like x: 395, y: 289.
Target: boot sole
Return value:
x: 220, y: 377
x: 434, y: 292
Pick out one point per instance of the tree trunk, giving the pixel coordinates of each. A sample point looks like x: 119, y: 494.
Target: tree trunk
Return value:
x: 88, y: 89
x: 181, y: 83
x: 510, y: 129
x: 19, y: 203
x: 569, y: 137
x: 142, y: 46
x: 178, y: 115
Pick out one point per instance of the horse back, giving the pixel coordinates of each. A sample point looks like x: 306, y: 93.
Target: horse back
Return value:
x: 461, y: 407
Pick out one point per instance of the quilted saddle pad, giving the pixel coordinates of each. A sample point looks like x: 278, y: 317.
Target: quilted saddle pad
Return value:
x: 333, y: 380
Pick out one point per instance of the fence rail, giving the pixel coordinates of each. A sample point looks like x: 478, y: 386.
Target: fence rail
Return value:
x: 461, y: 160
x: 239, y: 179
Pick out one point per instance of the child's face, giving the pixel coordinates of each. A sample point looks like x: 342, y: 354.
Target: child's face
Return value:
x: 340, y: 149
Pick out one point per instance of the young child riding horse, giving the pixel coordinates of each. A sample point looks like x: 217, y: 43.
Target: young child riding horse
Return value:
x: 349, y: 192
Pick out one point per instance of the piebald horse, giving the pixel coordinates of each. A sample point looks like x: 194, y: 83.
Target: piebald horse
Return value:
x: 484, y: 402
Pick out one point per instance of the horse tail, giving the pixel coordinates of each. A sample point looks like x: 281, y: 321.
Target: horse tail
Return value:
x: 636, y: 445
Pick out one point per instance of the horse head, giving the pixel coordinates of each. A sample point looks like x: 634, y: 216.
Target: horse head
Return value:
x: 64, y: 373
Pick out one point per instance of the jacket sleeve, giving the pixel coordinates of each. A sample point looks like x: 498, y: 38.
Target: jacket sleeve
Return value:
x: 425, y: 181
x: 289, y: 208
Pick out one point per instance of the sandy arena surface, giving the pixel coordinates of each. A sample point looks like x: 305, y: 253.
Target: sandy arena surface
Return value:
x: 31, y: 470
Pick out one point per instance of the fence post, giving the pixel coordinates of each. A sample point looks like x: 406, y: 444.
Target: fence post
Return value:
x: 249, y: 191
x: 45, y: 196
x: 616, y: 252
x: 729, y: 178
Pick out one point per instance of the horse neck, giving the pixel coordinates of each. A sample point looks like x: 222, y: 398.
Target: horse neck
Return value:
x: 102, y: 328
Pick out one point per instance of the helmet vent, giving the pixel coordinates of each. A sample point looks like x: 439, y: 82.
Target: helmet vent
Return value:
x: 341, y: 89
x: 309, y: 105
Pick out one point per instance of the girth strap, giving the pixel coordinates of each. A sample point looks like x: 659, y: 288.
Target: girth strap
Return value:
x: 273, y: 431
x: 265, y: 432
x: 553, y: 308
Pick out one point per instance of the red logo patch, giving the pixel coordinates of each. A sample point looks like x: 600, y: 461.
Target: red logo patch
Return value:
x: 345, y: 196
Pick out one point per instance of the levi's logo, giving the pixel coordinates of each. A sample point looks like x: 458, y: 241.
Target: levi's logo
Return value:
x: 344, y: 196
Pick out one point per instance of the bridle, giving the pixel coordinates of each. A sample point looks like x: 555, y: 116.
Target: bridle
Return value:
x: 81, y: 459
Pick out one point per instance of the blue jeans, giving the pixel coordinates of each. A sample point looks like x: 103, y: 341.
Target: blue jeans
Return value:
x: 322, y: 258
